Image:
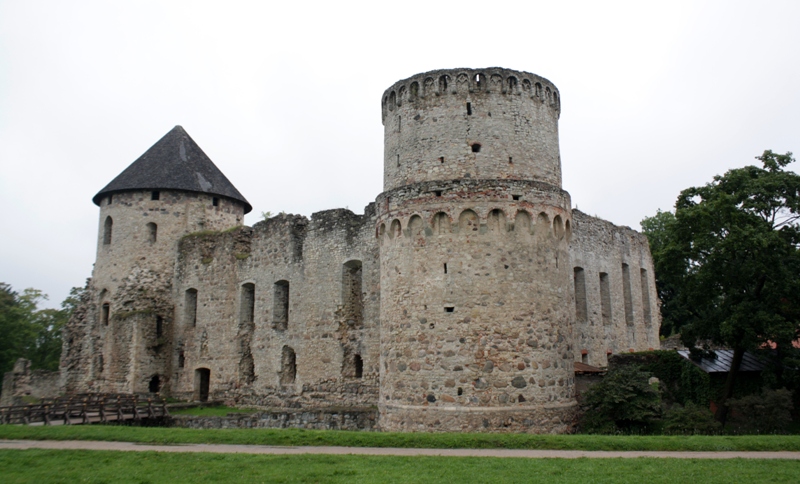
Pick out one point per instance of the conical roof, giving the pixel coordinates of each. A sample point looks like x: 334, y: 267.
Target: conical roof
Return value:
x: 175, y: 162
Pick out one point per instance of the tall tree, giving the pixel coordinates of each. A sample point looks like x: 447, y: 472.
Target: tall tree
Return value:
x: 729, y: 262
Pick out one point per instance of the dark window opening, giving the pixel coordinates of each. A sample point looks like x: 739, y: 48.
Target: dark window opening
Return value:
x: 399, y: 123
x: 626, y: 293
x: 110, y: 199
x: 581, y: 307
x: 159, y: 326
x: 288, y: 366
x: 398, y: 160
x: 445, y: 267
x: 181, y: 359
x: 515, y: 197
x: 476, y: 147
x: 107, y: 226
x: 438, y: 193
x: 520, y: 399
x: 469, y: 109
x: 510, y: 159
x: 441, y: 159
x: 155, y: 384
x: 605, y: 298
x: 155, y: 195
x: 215, y: 201
x: 449, y: 309
x: 359, y: 366
x: 645, y: 297
x: 248, y: 303
x: 280, y: 305
x: 152, y: 232
x: 190, y: 307
x: 352, y: 295
x: 585, y: 359
x: 104, y: 314
x: 460, y: 391
x: 202, y: 380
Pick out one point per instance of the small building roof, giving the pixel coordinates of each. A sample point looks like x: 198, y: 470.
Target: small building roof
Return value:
x: 175, y: 162
x: 584, y: 368
x: 723, y: 360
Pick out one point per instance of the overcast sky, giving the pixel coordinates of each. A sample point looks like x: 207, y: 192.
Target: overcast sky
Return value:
x: 285, y: 99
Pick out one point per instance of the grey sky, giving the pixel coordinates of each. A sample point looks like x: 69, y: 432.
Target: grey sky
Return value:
x: 285, y: 99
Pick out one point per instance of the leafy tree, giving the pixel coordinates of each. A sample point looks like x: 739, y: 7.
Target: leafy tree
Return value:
x: 29, y: 332
x: 728, y: 263
x: 622, y: 401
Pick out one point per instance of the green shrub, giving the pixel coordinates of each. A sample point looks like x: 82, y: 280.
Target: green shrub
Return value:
x: 622, y: 402
x: 767, y: 413
x: 692, y: 419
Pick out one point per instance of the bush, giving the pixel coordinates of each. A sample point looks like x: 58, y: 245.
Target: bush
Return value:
x: 690, y: 420
x: 622, y: 402
x: 767, y: 413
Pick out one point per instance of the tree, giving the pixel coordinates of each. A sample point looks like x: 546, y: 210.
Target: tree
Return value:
x: 728, y: 263
x: 29, y: 332
x: 622, y: 402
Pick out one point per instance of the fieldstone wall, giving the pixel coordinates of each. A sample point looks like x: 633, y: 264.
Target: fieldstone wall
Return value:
x: 22, y: 382
x: 317, y: 419
x: 287, y: 312
x: 615, y: 299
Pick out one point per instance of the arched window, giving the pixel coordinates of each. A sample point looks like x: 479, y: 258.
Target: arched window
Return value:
x: 107, y: 231
x: 152, y: 232
x: 155, y: 384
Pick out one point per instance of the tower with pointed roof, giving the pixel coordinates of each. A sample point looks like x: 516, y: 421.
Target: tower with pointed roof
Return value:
x: 172, y: 190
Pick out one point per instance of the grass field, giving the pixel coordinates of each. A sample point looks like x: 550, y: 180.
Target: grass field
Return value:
x: 140, y: 467
x: 217, y: 411
x: 295, y: 437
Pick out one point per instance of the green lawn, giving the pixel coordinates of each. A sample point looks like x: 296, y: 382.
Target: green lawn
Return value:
x: 107, y: 466
x: 219, y: 411
x: 297, y: 437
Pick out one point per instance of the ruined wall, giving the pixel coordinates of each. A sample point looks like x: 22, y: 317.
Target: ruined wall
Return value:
x: 322, y: 351
x: 615, y: 301
x: 471, y: 123
x: 126, y: 321
x: 22, y: 382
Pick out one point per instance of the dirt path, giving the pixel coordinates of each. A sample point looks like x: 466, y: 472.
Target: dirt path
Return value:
x: 266, y: 449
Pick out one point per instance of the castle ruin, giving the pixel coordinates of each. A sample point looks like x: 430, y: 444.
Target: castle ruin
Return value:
x: 459, y: 301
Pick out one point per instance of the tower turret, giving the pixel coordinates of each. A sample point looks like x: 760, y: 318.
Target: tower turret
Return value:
x: 474, y: 229
x: 171, y: 190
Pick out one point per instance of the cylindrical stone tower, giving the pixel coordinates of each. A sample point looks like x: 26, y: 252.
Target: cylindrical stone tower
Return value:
x: 172, y: 190
x: 476, y: 328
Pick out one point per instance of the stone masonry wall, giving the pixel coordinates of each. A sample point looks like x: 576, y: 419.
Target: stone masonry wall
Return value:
x: 471, y: 123
x: 317, y: 258
x: 630, y: 317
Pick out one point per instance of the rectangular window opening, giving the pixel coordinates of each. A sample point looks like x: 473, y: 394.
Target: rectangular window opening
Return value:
x: 159, y: 326
x: 110, y: 199
x: 104, y: 314
x: 181, y: 359
x: 605, y: 298
x: 280, y: 305
x: 449, y: 309
x: 441, y: 159
x: 515, y: 197
x: 155, y: 195
x: 510, y: 160
x: 626, y: 293
x: 190, y: 308
x: 438, y: 193
x: 469, y: 109
x: 215, y: 202
x: 646, y: 297
x: 248, y: 303
x: 445, y: 267
x: 581, y: 310
x: 398, y: 160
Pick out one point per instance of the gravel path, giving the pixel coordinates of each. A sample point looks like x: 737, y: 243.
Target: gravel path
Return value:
x: 266, y: 449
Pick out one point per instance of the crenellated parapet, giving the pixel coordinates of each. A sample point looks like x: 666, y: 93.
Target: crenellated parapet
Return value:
x: 428, y: 86
x: 471, y: 124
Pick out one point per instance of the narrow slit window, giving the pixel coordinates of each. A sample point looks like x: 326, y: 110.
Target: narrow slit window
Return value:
x: 398, y: 160
x: 152, y: 232
x: 181, y: 359
x: 248, y: 303
x: 626, y: 293
x: 581, y: 311
x: 605, y: 298
x: 469, y: 109
x: 155, y: 195
x: 280, y: 305
x: 215, y: 201
x: 646, y: 297
x: 190, y: 308
x: 104, y: 312
x: 510, y: 160
x: 107, y: 226
x: 159, y: 326
x: 110, y: 199
x: 445, y: 267
x: 352, y: 296
x: 358, y: 363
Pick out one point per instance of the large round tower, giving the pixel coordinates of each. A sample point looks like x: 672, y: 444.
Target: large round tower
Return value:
x: 476, y: 331
x: 171, y: 190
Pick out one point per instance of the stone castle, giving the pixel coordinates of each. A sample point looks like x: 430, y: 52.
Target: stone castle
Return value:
x: 459, y: 301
